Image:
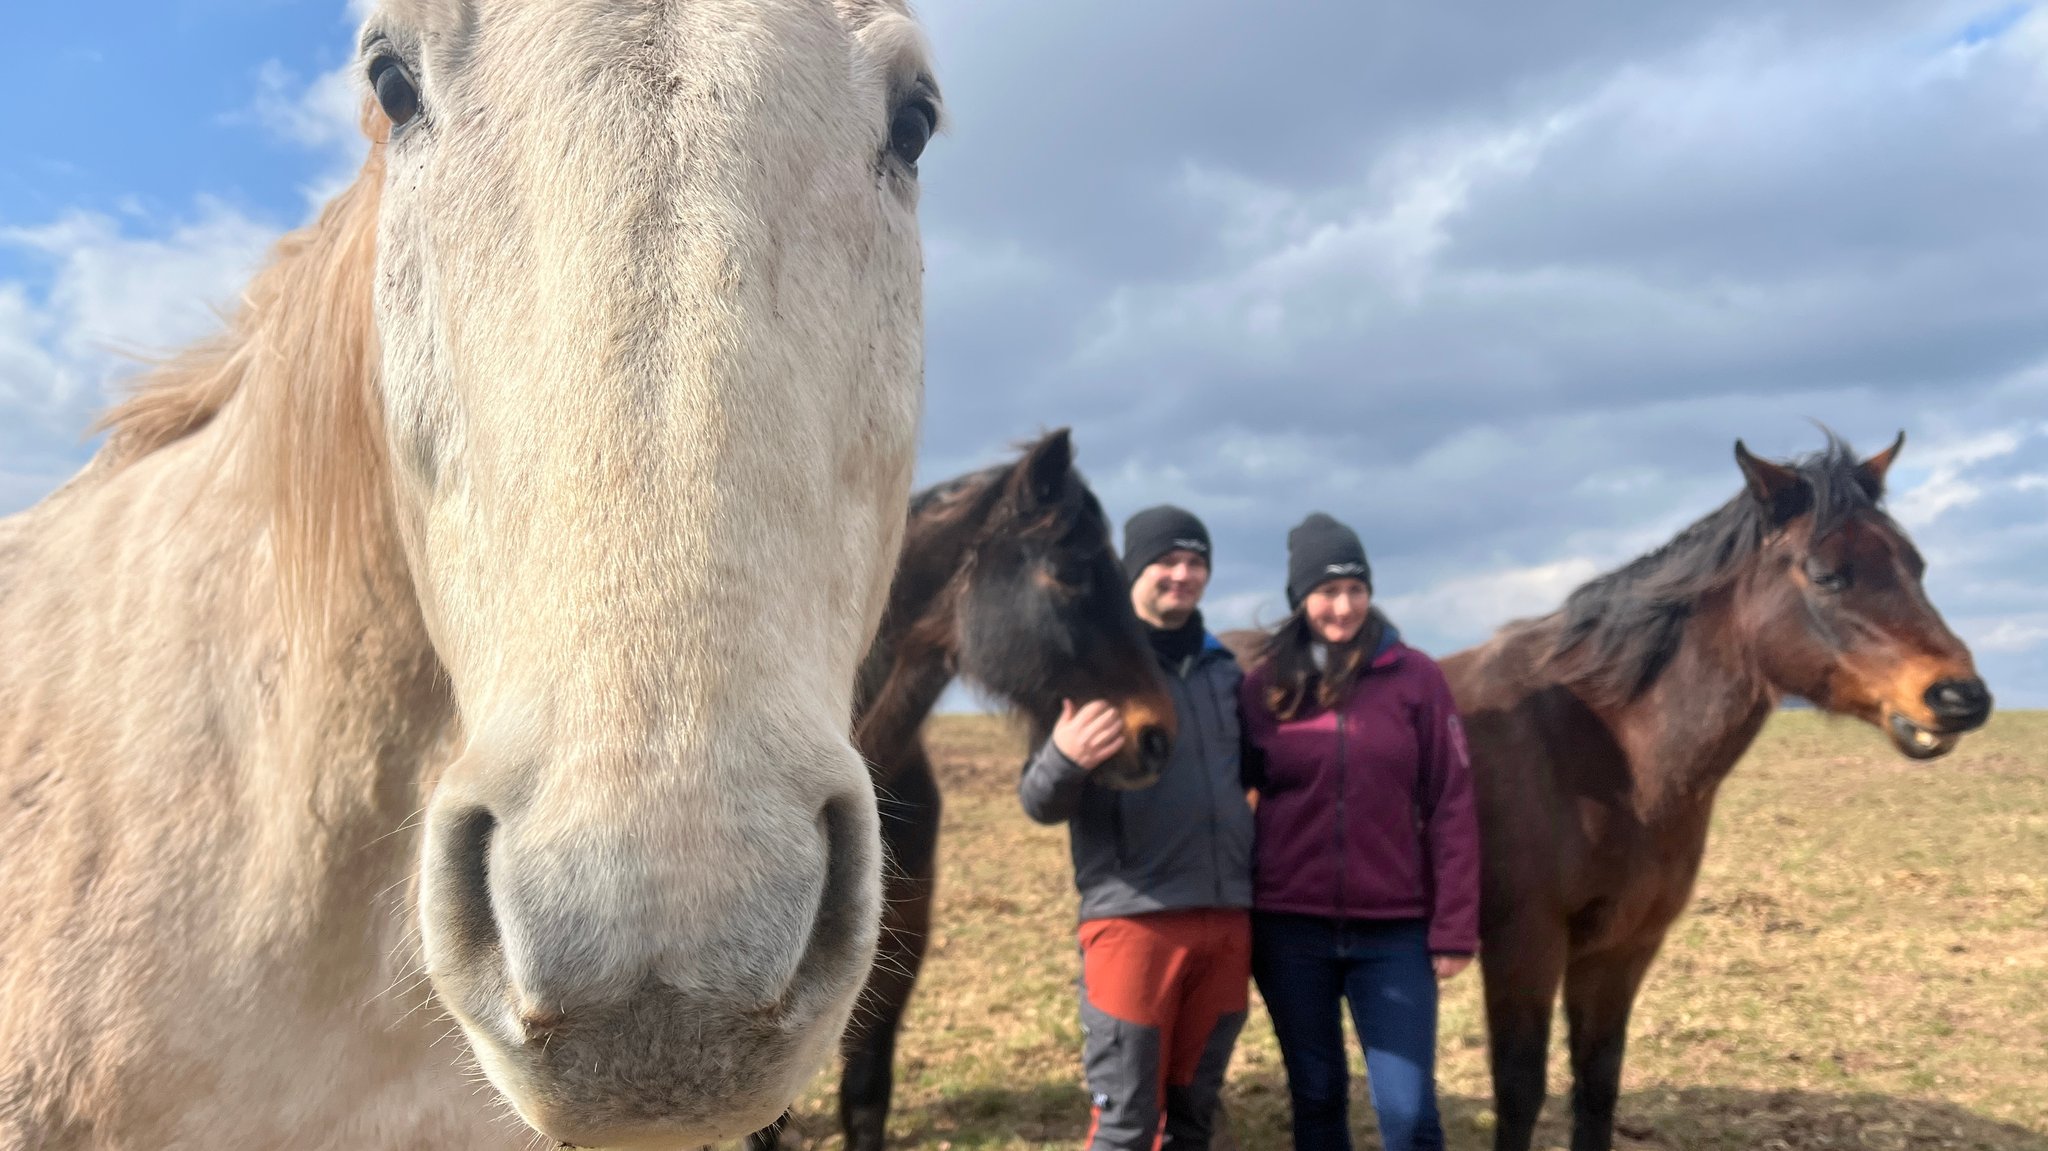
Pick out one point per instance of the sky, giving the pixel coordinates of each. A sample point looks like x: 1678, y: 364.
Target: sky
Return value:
x: 1498, y: 284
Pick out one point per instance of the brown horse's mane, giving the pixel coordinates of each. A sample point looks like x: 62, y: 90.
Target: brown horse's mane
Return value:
x: 297, y: 363
x: 970, y: 499
x: 960, y: 499
x: 961, y: 503
x: 1618, y: 632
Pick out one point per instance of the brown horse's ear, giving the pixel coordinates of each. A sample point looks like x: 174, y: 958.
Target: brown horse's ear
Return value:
x: 1777, y: 487
x: 1872, y: 472
x: 1046, y: 468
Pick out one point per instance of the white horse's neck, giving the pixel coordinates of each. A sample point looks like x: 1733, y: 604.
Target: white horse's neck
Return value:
x: 222, y: 879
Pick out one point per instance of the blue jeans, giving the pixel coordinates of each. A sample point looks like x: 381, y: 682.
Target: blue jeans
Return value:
x: 1306, y: 967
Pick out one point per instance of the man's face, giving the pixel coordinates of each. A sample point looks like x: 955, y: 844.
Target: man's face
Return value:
x: 1170, y: 588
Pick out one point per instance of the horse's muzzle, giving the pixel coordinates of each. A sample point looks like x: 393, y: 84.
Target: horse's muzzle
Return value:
x: 1141, y: 762
x: 619, y: 1002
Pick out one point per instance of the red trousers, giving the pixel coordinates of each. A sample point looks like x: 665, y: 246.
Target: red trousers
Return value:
x: 1163, y: 997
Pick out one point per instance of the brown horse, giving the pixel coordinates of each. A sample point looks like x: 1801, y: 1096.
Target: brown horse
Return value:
x: 1600, y: 733
x: 1007, y: 580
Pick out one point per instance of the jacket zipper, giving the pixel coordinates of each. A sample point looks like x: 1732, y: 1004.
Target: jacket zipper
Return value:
x: 1215, y: 858
x: 1338, y: 908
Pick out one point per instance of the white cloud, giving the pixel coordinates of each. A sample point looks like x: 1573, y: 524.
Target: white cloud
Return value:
x: 135, y: 284
x: 32, y: 376
x: 2013, y: 634
x: 322, y: 116
x: 1947, y: 484
x: 119, y: 288
x: 2023, y: 47
x: 112, y: 296
x: 1243, y: 609
x: 1470, y: 606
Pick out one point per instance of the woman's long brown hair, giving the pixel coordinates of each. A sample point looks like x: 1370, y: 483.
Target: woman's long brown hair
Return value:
x: 1295, y: 682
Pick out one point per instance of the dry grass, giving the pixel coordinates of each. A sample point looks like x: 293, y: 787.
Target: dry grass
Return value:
x: 1865, y: 965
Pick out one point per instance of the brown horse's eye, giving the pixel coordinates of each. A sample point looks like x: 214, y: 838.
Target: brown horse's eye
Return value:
x: 396, y: 93
x: 1063, y: 582
x: 1828, y: 579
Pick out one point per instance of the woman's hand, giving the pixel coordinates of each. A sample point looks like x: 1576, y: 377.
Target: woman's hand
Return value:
x: 1090, y: 734
x: 1448, y: 966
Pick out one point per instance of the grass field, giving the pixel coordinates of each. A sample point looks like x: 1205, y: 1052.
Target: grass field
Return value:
x: 1865, y: 965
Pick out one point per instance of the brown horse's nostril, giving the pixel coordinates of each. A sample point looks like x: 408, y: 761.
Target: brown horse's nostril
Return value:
x: 1154, y: 745
x: 1960, y: 703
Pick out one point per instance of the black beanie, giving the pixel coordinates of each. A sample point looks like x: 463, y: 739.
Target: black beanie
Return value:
x: 1155, y: 531
x: 1320, y: 549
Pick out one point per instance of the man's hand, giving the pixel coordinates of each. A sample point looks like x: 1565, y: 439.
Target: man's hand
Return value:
x: 1448, y: 966
x: 1090, y: 734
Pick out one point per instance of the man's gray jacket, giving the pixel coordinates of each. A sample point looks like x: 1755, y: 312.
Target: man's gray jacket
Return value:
x: 1184, y: 842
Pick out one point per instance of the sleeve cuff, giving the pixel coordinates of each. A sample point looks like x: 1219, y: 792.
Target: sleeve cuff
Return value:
x: 1057, y: 763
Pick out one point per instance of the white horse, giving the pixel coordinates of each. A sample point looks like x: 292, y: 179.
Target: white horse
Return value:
x: 482, y: 608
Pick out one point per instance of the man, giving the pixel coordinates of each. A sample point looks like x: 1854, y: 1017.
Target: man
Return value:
x: 1164, y: 873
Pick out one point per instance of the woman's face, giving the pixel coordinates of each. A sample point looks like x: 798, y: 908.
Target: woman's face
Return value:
x: 1336, y: 609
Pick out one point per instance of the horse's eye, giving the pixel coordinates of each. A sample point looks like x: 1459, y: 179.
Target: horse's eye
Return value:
x: 396, y: 93
x: 1062, y: 582
x: 911, y: 129
x: 1828, y: 580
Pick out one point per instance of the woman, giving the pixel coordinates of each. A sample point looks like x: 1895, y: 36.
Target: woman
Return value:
x: 1366, y: 874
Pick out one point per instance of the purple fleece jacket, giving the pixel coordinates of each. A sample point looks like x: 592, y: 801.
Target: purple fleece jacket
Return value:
x: 1366, y: 811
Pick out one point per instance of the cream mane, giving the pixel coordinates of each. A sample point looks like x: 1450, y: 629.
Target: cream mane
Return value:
x: 298, y: 356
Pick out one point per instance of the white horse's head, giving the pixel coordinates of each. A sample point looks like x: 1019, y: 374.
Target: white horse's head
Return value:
x: 648, y: 299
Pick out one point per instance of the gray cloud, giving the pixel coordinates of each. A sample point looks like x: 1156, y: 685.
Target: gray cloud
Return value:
x: 1502, y: 286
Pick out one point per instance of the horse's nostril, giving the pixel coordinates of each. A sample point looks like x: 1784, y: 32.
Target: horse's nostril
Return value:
x: 1960, y: 700
x: 843, y: 927
x: 537, y: 1024
x: 466, y: 873
x: 1154, y: 745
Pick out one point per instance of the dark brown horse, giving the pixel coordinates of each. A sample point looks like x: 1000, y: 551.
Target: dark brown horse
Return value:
x: 1009, y: 581
x: 1600, y: 733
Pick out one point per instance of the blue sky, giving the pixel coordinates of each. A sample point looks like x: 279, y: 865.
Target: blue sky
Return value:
x: 144, y: 108
x: 1500, y: 286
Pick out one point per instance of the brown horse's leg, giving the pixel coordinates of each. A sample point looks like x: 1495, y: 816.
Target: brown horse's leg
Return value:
x: 1522, y: 965
x: 1599, y: 992
x: 910, y: 834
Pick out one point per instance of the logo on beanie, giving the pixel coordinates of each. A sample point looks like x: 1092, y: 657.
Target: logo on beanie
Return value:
x: 1345, y: 570
x: 1196, y: 546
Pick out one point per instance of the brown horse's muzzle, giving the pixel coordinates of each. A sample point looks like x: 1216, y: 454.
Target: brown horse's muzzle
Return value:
x: 1149, y: 732
x: 1948, y: 709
